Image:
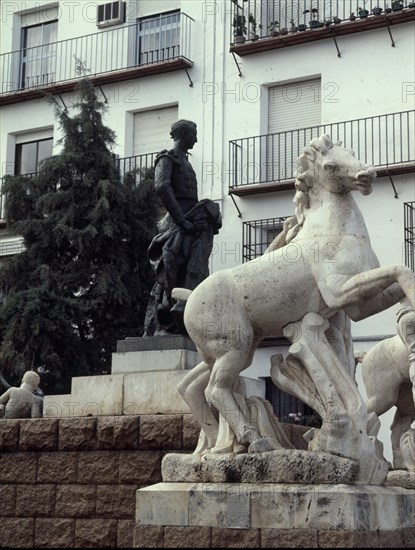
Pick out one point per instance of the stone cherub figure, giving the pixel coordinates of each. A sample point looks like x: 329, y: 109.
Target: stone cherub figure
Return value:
x: 388, y: 371
x: 179, y: 254
x: 22, y: 402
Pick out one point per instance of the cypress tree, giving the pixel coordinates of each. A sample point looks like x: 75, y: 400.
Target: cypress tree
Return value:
x: 83, y: 280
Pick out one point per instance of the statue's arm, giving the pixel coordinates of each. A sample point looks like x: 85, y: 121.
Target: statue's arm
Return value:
x: 163, y: 185
x: 4, y: 399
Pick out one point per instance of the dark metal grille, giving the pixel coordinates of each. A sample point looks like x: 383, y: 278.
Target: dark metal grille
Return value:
x: 284, y: 403
x: 257, y: 236
x: 409, y: 237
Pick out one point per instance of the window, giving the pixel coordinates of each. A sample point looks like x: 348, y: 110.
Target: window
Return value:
x: 38, y: 65
x: 158, y: 38
x: 29, y: 155
x: 111, y: 13
x: 409, y: 237
x: 285, y: 404
x: 258, y: 235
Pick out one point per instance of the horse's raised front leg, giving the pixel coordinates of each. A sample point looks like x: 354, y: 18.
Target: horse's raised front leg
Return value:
x: 340, y: 290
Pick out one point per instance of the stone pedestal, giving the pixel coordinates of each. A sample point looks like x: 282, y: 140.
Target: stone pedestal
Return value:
x: 144, y: 377
x: 277, y: 506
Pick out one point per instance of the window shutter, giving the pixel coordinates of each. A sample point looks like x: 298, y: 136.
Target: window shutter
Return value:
x: 152, y: 130
x: 294, y: 105
x: 291, y: 107
x: 154, y: 7
x: 36, y: 135
x: 42, y: 14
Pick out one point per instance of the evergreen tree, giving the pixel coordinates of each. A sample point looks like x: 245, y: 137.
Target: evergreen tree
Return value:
x: 83, y: 280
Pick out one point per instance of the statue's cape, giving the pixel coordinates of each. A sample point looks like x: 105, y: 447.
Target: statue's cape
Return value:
x: 173, y: 250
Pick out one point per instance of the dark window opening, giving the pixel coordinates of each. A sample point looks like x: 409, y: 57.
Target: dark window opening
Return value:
x: 30, y: 154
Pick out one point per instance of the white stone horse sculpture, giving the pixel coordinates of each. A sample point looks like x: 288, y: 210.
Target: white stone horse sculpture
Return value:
x: 327, y: 272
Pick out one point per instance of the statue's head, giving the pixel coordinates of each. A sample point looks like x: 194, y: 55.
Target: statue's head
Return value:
x: 184, y: 131
x: 31, y: 378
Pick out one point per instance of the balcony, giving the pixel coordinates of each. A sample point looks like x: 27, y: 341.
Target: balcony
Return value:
x: 150, y: 46
x: 263, y: 25
x: 409, y: 237
x: 265, y: 163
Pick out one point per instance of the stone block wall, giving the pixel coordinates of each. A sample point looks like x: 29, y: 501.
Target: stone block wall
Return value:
x: 215, y: 537
x: 71, y: 482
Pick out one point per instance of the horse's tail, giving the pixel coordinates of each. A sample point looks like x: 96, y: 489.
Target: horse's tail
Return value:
x: 181, y: 294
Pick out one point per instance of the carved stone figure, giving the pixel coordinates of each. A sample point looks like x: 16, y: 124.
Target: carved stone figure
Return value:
x: 306, y: 286
x: 179, y: 254
x: 22, y: 402
x: 388, y: 371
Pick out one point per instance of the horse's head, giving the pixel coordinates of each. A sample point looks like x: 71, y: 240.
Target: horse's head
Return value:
x: 333, y: 167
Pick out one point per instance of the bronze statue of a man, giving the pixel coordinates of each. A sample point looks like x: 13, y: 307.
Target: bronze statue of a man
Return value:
x: 179, y: 254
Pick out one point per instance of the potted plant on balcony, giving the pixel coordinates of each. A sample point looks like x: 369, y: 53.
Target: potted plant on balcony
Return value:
x: 253, y: 25
x: 352, y: 17
x: 363, y: 12
x: 397, y: 5
x: 293, y: 27
x: 314, y: 21
x: 239, y: 24
x: 411, y: 5
x: 273, y: 28
x: 377, y: 10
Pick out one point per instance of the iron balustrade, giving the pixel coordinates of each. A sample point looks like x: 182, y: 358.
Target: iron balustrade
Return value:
x: 380, y: 141
x: 162, y: 38
x: 137, y: 167
x: 252, y: 19
x: 409, y: 236
x: 257, y: 235
x: 9, y: 248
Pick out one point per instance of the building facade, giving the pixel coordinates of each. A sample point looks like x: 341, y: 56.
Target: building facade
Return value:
x: 259, y: 77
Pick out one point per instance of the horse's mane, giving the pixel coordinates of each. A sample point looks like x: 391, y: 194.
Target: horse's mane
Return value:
x: 306, y: 173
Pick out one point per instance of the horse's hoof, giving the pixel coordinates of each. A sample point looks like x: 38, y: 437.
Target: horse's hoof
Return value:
x: 263, y: 445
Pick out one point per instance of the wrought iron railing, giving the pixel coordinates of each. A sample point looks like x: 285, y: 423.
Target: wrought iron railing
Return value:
x: 252, y: 19
x: 145, y: 42
x: 409, y: 236
x: 136, y: 167
x: 383, y: 140
x: 257, y: 235
x: 9, y: 248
